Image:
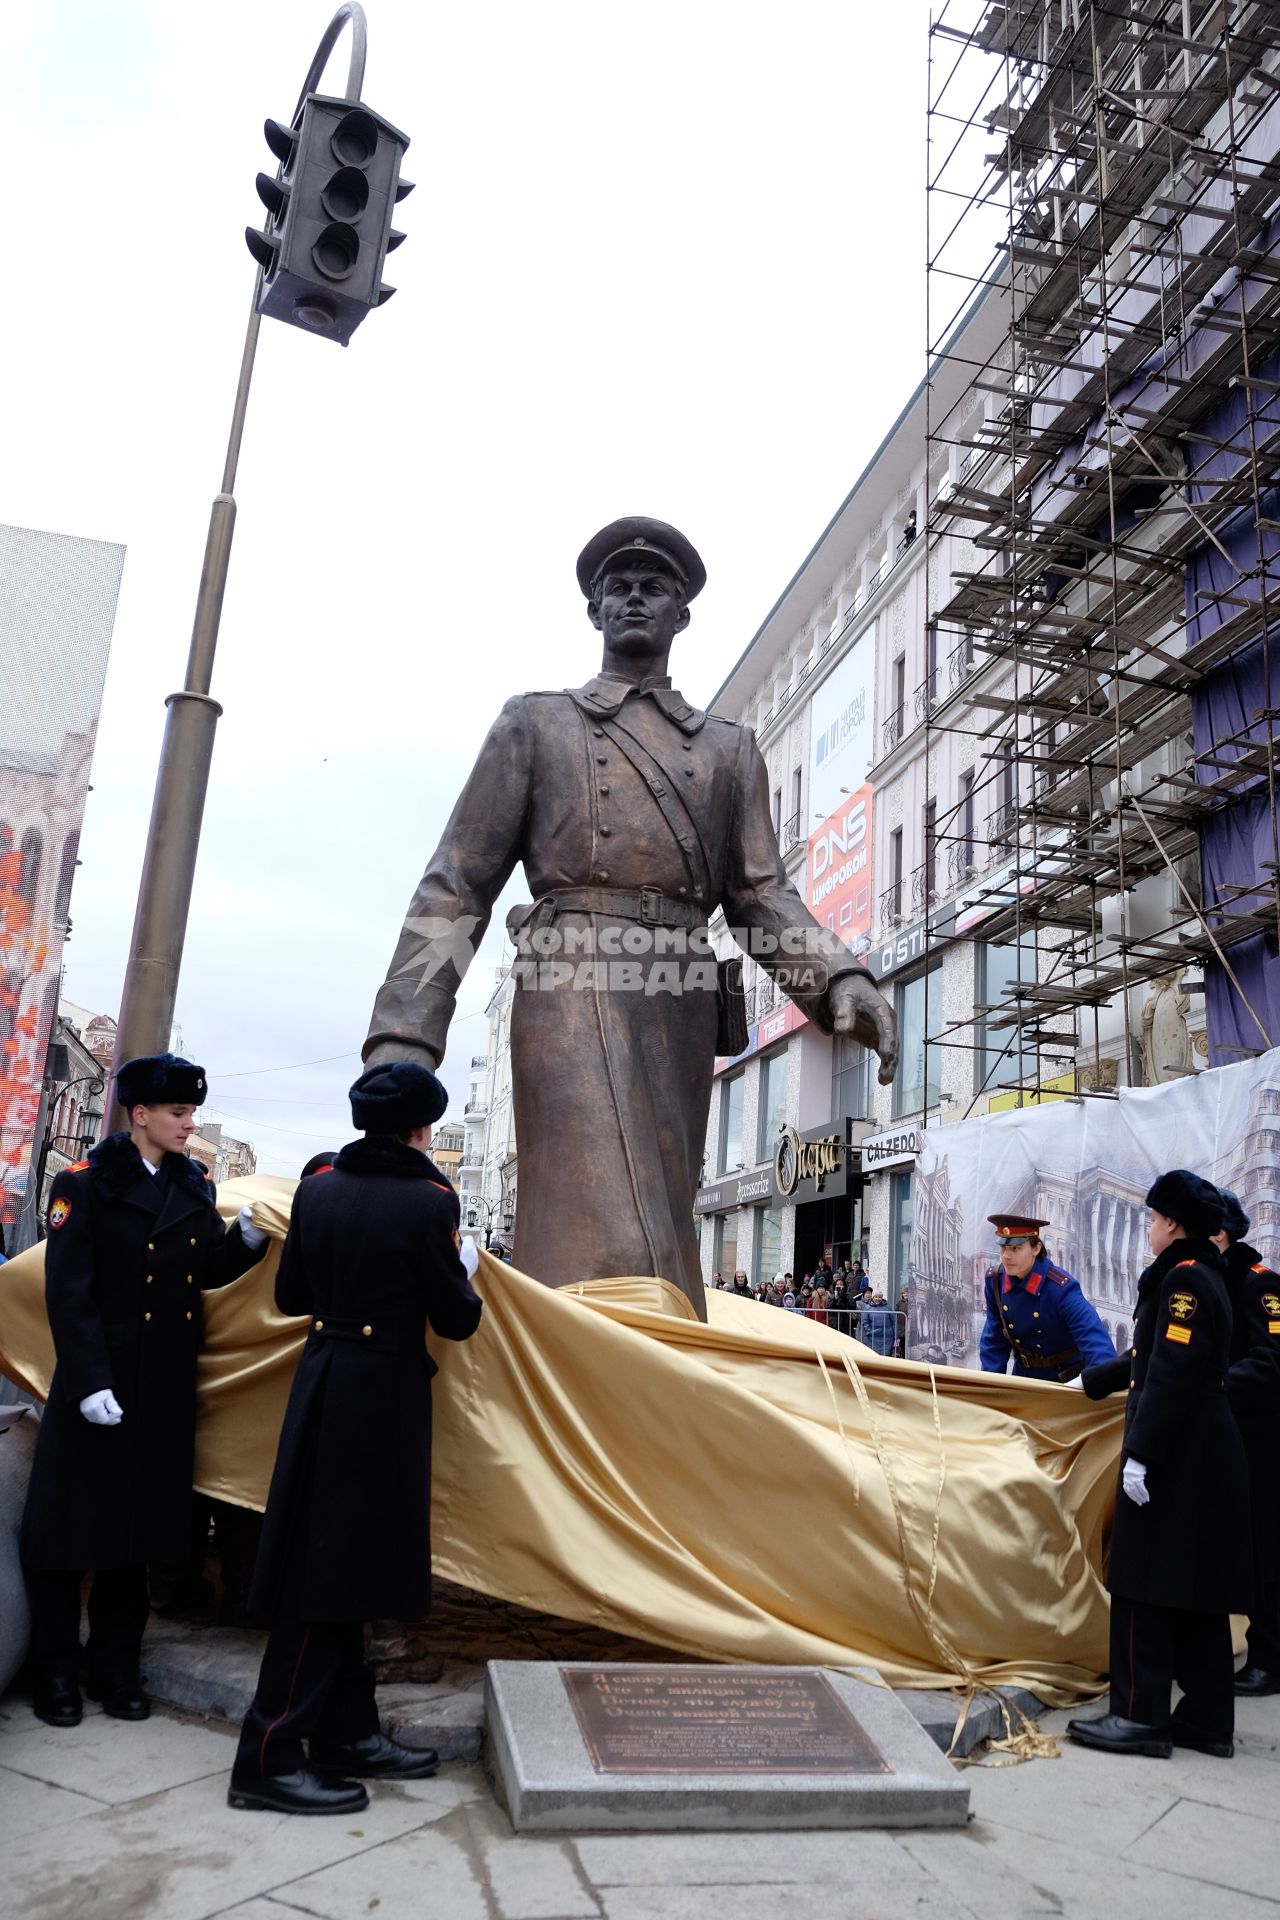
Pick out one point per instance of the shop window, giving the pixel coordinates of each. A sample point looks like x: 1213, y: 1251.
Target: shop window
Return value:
x: 726, y: 1246
x: 918, y: 1004
x: 768, y: 1245
x: 731, y: 1124
x: 900, y: 1199
x: 850, y: 1080
x: 773, y: 1102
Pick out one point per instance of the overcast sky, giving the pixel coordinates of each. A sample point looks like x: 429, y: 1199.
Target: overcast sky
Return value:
x: 667, y: 261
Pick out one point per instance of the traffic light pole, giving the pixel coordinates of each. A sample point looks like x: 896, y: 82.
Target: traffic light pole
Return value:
x: 177, y: 811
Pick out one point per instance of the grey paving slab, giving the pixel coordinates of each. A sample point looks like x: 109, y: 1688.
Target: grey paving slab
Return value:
x: 436, y: 1872
x: 119, y: 1760
x: 1216, y: 1845
x: 740, y: 1859
x: 28, y: 1805
x: 1006, y: 1874
x: 1081, y: 1792
x: 530, y: 1876
x: 185, y: 1855
x: 874, y: 1900
x: 545, y: 1778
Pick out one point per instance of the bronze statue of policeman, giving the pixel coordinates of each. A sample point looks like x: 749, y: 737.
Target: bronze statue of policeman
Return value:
x: 635, y: 816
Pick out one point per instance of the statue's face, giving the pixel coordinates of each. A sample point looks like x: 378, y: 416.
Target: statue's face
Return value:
x: 639, y: 610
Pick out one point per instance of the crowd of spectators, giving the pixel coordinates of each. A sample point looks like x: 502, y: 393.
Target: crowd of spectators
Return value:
x: 843, y: 1297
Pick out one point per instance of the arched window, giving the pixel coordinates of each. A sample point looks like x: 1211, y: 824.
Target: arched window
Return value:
x: 32, y: 851
x: 66, y: 874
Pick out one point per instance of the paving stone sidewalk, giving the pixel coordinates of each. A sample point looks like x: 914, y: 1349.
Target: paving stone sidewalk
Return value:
x: 129, y: 1822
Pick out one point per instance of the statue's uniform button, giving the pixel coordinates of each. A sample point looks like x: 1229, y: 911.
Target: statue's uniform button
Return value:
x: 598, y: 732
x: 684, y: 893
x: 604, y: 792
x: 602, y: 876
x: 687, y: 745
x: 602, y: 759
x: 605, y: 832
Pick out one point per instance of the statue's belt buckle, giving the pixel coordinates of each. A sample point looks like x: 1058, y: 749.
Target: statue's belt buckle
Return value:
x: 650, y: 907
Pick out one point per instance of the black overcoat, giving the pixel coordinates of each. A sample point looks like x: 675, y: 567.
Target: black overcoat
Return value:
x: 372, y: 1255
x: 1189, y: 1547
x: 1253, y: 1389
x: 127, y: 1256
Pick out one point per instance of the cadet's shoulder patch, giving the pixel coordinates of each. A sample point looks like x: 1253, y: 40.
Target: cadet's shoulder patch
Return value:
x: 1271, y: 1304
x: 82, y: 1166
x: 1182, y: 1305
x: 59, y: 1213
x: 1261, y: 1266
x: 1181, y: 1334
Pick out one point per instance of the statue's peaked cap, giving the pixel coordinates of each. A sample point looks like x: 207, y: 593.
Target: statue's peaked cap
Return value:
x: 634, y: 537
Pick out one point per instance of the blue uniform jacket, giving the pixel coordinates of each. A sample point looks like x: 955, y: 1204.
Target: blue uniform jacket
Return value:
x: 1044, y: 1321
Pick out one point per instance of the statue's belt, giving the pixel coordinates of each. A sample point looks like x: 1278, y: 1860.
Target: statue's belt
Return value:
x: 649, y: 906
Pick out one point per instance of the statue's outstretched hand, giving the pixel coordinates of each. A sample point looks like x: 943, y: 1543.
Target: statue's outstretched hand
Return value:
x: 858, y: 1007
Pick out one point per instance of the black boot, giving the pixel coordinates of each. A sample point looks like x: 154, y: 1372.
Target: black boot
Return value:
x: 1253, y: 1682
x: 121, y: 1695
x: 375, y: 1758
x: 300, y: 1792
x: 55, y: 1699
x: 1200, y: 1742
x: 1113, y: 1734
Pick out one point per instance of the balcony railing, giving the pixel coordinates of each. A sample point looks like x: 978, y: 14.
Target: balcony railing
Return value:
x: 961, y: 865
x: 891, y: 732
x: 476, y: 1106
x: 962, y: 664
x: 927, y: 695
x: 1002, y: 827
x: 924, y: 886
x: 790, y: 834
x: 478, y: 1060
x: 891, y: 905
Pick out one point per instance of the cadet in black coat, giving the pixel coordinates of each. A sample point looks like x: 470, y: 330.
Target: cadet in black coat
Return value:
x: 1253, y: 1389
x: 134, y: 1237
x: 1181, y: 1561
x: 372, y: 1254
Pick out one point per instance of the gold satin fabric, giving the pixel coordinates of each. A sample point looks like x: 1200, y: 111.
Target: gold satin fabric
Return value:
x: 761, y: 1488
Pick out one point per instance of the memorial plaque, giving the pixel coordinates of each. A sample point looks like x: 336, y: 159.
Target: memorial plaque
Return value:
x: 724, y: 1720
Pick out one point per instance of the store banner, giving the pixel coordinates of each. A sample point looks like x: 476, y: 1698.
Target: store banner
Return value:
x: 57, y: 610
x: 1085, y: 1167
x: 839, y: 870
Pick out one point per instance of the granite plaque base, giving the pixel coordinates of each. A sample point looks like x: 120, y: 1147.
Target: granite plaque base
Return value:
x: 580, y: 1747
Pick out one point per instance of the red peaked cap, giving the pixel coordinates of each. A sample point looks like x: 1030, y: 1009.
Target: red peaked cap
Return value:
x: 1010, y: 1226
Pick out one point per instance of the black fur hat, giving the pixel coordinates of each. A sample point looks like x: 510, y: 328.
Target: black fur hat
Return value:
x: 1193, y: 1202
x: 1235, y: 1220
x: 158, y: 1080
x: 396, y: 1098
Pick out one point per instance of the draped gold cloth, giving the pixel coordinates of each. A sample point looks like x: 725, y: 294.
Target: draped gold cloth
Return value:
x: 761, y: 1488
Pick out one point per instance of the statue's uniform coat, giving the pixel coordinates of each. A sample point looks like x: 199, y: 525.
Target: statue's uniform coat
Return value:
x: 372, y: 1255
x: 127, y: 1256
x: 611, y: 1088
x: 1189, y: 1547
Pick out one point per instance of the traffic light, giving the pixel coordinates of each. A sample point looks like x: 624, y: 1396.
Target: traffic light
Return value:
x: 329, y: 210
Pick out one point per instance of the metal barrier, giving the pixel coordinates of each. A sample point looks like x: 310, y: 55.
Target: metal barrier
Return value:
x: 883, y: 1329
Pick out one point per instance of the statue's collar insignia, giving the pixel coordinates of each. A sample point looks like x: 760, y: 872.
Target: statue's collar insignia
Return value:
x: 605, y: 696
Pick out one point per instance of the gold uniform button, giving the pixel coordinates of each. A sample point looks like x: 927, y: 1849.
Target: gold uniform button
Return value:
x: 146, y: 1316
x: 188, y: 1316
x: 189, y: 1280
x: 319, y: 1326
x: 193, y: 1242
x: 366, y: 1331
x: 149, y: 1278
x: 151, y: 1246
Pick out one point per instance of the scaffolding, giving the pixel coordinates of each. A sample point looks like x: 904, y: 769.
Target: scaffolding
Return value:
x: 1103, y: 511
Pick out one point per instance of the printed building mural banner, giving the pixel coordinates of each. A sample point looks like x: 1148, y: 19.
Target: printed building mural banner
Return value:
x: 57, y: 609
x: 1085, y: 1167
x: 838, y: 874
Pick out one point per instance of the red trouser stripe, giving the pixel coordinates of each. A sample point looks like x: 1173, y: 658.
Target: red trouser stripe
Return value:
x: 281, y: 1718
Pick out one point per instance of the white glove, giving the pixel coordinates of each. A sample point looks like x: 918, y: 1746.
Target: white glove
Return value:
x: 253, y: 1237
x: 1133, y: 1479
x: 102, y: 1409
x: 469, y: 1254
x: 1077, y: 1382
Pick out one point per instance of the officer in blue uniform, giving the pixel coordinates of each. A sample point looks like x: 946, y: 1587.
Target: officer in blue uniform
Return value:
x: 1036, y: 1311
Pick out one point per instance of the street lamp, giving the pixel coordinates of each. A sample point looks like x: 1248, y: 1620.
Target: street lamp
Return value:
x: 319, y: 267
x: 90, y: 1120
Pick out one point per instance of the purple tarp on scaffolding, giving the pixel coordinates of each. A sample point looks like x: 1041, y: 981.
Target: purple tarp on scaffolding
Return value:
x: 1238, y: 843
